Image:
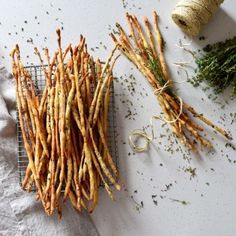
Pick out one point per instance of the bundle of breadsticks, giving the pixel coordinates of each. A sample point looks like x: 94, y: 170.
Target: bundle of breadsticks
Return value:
x: 144, y: 47
x: 65, y: 130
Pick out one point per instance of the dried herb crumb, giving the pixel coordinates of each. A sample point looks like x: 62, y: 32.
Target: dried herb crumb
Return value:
x: 230, y: 145
x: 155, y: 202
x: 183, y: 202
x: 192, y: 171
x: 30, y: 40
x: 167, y: 187
x: 202, y: 38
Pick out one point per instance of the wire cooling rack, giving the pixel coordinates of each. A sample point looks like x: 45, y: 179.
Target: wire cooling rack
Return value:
x: 39, y: 82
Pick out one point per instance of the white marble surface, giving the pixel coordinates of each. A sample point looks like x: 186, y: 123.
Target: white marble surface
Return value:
x: 211, y: 195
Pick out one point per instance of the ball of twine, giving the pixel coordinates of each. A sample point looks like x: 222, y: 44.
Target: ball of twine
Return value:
x: 191, y: 15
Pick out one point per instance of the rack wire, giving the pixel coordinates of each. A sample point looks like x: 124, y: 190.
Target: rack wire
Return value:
x: 39, y: 81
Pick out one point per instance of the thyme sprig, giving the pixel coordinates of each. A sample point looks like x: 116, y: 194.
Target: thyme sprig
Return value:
x: 217, y: 67
x: 154, y: 64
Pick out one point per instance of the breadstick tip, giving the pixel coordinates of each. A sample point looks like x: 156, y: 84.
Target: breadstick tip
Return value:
x: 155, y: 16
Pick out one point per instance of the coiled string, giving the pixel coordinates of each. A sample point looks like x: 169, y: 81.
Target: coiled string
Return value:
x: 191, y: 15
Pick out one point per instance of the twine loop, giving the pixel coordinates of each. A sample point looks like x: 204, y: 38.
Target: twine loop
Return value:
x: 139, y: 133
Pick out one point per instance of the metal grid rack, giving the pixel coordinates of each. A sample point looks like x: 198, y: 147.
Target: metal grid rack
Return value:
x: 39, y: 81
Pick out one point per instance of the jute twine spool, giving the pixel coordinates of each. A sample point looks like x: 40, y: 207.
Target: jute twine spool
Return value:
x: 191, y: 15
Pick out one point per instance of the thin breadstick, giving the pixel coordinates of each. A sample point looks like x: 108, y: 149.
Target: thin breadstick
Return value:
x: 68, y: 133
x: 62, y: 109
x: 101, y: 91
x: 109, y: 158
x: 102, y: 164
x: 161, y: 46
x: 27, y: 146
x: 83, y: 132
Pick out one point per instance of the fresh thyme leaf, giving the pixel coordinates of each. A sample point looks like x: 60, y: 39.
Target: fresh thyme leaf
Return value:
x: 155, y: 67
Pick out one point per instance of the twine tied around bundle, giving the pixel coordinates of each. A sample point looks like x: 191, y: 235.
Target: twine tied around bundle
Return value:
x: 191, y: 15
x: 137, y: 134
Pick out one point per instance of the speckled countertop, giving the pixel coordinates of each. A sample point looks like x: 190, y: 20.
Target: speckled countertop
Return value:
x: 168, y: 191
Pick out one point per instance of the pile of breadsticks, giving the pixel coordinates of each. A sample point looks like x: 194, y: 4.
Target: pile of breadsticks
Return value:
x: 65, y: 130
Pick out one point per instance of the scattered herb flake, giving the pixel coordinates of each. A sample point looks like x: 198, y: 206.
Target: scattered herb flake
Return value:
x: 230, y: 145
x: 183, y: 202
